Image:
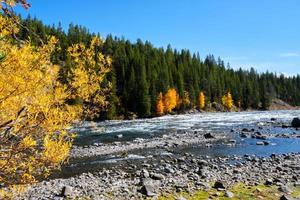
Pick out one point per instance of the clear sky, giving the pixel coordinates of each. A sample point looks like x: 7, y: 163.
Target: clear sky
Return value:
x: 264, y: 34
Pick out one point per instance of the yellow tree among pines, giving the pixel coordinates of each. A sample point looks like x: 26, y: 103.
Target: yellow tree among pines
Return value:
x: 201, y: 100
x: 170, y: 100
x: 227, y: 101
x: 160, y: 105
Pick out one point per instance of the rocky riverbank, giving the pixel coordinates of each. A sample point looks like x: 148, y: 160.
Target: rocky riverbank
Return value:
x: 169, y: 175
x: 170, y: 140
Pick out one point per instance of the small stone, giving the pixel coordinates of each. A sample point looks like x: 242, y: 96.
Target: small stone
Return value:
x: 204, y: 185
x: 180, y: 198
x: 258, y: 190
x: 169, y: 170
x: 219, y: 185
x: 243, y: 135
x: 67, y: 191
x: 284, y: 197
x: 156, y: 176
x: 297, y: 184
x: 208, y: 136
x: 232, y: 141
x: 269, y: 182
x: 260, y: 143
x: 245, y: 130
x: 202, y: 163
x: 285, y: 189
x: 149, y: 188
x: 229, y: 194
x: 145, y: 173
x: 119, y: 136
x: 208, y: 145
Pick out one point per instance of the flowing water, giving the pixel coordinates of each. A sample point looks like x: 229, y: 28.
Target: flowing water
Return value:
x: 91, y: 133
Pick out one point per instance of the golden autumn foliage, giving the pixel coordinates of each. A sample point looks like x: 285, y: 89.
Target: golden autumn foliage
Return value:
x: 201, y: 100
x: 91, y: 68
x: 186, y: 99
x: 34, y: 116
x: 170, y: 100
x: 160, y: 105
x: 227, y: 101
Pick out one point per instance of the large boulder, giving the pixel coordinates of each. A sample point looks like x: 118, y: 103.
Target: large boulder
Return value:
x: 296, y: 122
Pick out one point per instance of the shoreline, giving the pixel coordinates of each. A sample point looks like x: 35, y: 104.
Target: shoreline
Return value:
x: 170, y: 176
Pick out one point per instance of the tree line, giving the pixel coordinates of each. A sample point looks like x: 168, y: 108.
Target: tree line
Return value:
x: 142, y: 74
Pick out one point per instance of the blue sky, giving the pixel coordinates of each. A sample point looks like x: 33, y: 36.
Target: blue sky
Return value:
x: 264, y: 34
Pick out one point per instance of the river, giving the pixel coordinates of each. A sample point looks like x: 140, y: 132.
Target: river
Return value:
x: 126, y: 131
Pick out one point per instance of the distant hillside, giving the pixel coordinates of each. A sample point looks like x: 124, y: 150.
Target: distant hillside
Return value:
x: 141, y: 72
x: 277, y: 104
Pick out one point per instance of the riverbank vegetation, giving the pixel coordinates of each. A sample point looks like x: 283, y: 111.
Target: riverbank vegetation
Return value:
x: 37, y: 108
x: 142, y: 72
x: 237, y: 191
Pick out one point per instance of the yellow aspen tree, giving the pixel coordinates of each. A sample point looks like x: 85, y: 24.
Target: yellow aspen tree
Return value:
x: 201, y: 100
x: 160, y: 105
x: 170, y: 100
x: 34, y: 117
x: 229, y: 101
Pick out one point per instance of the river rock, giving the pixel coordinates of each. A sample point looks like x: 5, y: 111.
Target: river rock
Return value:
x: 261, y: 137
x: 149, y: 187
x: 169, y: 170
x: 296, y: 123
x: 208, y: 145
x: 203, y: 172
x: 119, y: 136
x: 284, y: 126
x: 205, y: 185
x: 269, y: 182
x: 285, y: 189
x: 208, y: 136
x: 145, y: 173
x: 229, y: 194
x: 232, y: 141
x: 180, y: 198
x: 156, y: 176
x: 284, y: 197
x: 260, y: 143
x: 67, y: 191
x: 219, y: 185
x: 243, y: 135
x: 202, y: 163
x: 246, y: 130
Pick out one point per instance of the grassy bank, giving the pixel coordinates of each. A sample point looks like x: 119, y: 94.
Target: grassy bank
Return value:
x: 240, y: 191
